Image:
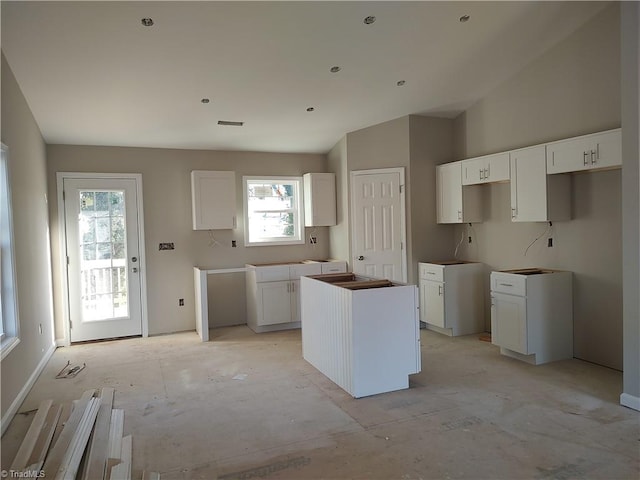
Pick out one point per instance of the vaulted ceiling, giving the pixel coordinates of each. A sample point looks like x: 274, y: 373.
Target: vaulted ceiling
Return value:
x: 93, y: 74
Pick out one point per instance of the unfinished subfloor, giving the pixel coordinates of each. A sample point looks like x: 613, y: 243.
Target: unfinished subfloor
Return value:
x: 248, y: 406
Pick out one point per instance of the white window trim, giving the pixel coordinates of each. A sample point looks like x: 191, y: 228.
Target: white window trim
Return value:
x: 299, y: 207
x: 9, y: 307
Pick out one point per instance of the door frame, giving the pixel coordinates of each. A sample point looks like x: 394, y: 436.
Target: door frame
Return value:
x: 403, y: 208
x: 137, y: 177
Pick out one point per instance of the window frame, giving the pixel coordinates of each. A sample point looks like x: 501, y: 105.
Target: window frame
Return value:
x: 298, y: 210
x: 9, y: 318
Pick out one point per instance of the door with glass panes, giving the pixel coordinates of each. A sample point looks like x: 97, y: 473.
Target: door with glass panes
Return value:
x: 103, y: 257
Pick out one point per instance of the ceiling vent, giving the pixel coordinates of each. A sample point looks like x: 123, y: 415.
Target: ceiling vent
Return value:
x: 230, y: 124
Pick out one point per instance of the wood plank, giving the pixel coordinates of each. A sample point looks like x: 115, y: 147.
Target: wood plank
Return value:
x: 115, y: 433
x: 335, y: 277
x: 127, y: 453
x: 364, y: 284
x: 119, y: 472
x: 62, y: 420
x: 71, y: 462
x: 99, y: 442
x: 57, y: 453
x: 26, y: 447
x: 40, y: 449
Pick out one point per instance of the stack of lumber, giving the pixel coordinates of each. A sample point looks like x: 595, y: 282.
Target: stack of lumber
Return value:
x: 82, y: 440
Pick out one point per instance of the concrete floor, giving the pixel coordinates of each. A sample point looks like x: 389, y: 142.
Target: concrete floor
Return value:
x: 471, y: 413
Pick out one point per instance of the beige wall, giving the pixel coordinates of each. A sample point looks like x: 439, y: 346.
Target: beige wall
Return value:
x: 431, y: 141
x: 572, y: 89
x: 630, y: 25
x: 417, y: 144
x: 167, y: 218
x: 27, y: 178
x: 339, y: 246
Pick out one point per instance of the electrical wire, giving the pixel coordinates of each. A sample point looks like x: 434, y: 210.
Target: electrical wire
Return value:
x: 455, y: 253
x: 546, y: 230
x: 212, y: 240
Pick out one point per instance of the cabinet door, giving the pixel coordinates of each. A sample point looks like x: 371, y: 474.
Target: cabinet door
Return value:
x: 449, y: 193
x: 509, y: 322
x: 213, y: 198
x: 296, y: 305
x: 497, y: 168
x: 473, y: 171
x: 529, y: 185
x: 434, y: 303
x: 319, y: 199
x: 602, y: 150
x: 274, y: 303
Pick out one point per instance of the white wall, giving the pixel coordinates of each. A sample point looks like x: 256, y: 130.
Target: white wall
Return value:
x: 339, y: 245
x: 572, y: 89
x: 28, y: 180
x: 167, y: 218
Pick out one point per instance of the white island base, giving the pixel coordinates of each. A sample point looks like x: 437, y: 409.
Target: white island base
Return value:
x: 363, y: 336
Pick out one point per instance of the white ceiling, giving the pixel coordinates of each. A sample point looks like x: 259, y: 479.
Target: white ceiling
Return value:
x: 93, y: 75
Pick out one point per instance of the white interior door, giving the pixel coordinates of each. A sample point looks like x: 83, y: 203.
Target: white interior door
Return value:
x: 378, y: 223
x: 103, y: 247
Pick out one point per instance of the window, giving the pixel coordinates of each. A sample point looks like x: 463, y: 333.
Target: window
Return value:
x: 272, y: 211
x: 8, y: 303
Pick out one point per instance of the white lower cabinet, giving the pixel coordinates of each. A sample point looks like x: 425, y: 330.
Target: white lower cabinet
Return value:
x: 532, y: 314
x: 452, y: 297
x: 273, y: 293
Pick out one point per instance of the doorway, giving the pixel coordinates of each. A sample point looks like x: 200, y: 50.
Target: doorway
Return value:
x: 103, y: 255
x: 378, y: 223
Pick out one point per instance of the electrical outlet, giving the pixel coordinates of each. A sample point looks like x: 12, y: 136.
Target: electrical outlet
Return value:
x: 181, y: 302
x: 313, y: 240
x: 550, y: 242
x: 167, y: 246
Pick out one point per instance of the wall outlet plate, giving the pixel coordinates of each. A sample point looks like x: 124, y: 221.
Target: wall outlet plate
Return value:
x: 167, y: 246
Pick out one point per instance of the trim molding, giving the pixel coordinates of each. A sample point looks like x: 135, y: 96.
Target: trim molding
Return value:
x: 630, y: 401
x: 15, y: 405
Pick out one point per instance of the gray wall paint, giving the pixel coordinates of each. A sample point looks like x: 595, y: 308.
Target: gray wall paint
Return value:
x: 167, y: 218
x: 630, y: 26
x: 28, y: 180
x: 417, y: 144
x: 572, y: 89
x: 339, y: 246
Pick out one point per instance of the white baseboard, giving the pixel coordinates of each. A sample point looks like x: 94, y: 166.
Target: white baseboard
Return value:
x: 630, y: 401
x: 15, y: 405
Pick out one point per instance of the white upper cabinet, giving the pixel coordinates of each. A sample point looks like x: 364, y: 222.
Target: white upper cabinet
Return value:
x: 319, y: 199
x: 536, y: 197
x: 456, y: 204
x: 490, y: 168
x: 595, y: 151
x: 213, y: 198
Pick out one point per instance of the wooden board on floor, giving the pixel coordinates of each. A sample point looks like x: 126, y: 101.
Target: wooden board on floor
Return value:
x: 40, y: 449
x: 71, y: 461
x: 26, y: 448
x: 99, y: 442
x: 67, y: 408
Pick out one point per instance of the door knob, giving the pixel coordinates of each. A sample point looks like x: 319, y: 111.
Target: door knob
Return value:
x: 360, y: 258
x: 134, y: 259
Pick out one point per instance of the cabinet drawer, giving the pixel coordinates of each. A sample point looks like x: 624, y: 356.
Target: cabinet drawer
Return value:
x: 508, y: 283
x: 272, y: 273
x: 429, y: 271
x: 334, y: 267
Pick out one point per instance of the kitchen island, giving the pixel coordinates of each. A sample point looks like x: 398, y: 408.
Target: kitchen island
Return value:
x: 362, y: 333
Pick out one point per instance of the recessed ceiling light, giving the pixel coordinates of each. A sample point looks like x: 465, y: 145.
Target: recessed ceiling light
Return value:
x: 205, y: 100
x: 310, y: 109
x: 400, y: 83
x: 369, y: 20
x: 227, y: 123
x: 335, y: 69
x: 464, y: 18
x: 147, y: 22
